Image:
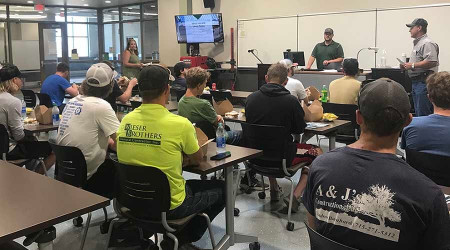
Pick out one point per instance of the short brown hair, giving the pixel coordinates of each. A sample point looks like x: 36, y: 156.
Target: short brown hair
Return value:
x: 100, y: 92
x: 196, y: 76
x: 438, y: 86
x: 277, y: 73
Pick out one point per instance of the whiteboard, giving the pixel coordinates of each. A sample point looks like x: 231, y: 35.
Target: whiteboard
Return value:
x: 26, y: 54
x: 270, y: 37
x: 353, y: 31
x: 394, y: 36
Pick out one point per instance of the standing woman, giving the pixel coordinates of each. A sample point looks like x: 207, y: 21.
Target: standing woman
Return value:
x: 131, y: 65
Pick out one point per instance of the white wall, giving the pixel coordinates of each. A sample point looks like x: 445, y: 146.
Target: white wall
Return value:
x: 25, y: 45
x: 249, y: 9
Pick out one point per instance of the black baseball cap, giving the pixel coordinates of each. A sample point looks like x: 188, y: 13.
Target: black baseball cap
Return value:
x: 418, y: 22
x: 8, y: 72
x: 381, y: 94
x: 154, y: 77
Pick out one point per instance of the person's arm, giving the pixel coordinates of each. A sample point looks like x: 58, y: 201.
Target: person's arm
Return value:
x: 190, y: 145
x: 438, y: 224
x: 126, y: 59
x: 195, y: 158
x: 128, y: 92
x: 15, y: 123
x: 337, y: 60
x: 310, y: 62
x: 422, y: 65
x: 72, y: 90
x: 308, y: 115
x: 112, y: 142
x: 311, y: 221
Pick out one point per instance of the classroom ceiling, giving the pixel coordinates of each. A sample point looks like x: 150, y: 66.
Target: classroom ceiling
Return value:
x: 81, y: 3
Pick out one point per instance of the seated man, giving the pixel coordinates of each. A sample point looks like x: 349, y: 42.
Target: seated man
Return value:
x: 90, y: 124
x: 430, y: 133
x: 172, y: 137
x: 364, y: 196
x: 179, y: 85
x: 56, y: 85
x: 293, y: 85
x: 117, y: 94
x: 274, y: 105
x: 345, y: 90
x: 20, y: 146
x: 200, y: 110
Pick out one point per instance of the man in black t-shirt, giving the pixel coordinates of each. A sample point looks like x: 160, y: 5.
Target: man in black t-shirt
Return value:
x: 117, y: 94
x: 364, y: 196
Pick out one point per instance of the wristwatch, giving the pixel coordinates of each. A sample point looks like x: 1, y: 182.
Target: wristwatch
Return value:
x: 412, y: 66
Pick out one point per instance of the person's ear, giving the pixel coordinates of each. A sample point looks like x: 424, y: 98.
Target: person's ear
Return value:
x: 359, y: 117
x: 266, y: 77
x: 408, y: 119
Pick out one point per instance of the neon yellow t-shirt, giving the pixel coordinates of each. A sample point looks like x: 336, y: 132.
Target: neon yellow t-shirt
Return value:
x: 152, y: 136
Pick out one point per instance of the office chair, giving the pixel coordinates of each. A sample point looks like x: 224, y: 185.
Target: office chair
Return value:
x: 320, y: 242
x: 71, y: 168
x: 29, y: 97
x: 348, y: 134
x: 274, y: 163
x: 44, y: 99
x: 142, y: 187
x: 433, y: 166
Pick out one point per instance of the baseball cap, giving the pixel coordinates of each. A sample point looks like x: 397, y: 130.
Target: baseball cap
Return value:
x: 102, y: 73
x: 381, y: 94
x: 154, y: 76
x: 418, y: 22
x: 8, y: 72
x: 328, y: 30
x: 288, y: 63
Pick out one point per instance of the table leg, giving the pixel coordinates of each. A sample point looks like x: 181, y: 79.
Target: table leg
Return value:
x: 45, y: 246
x: 332, y: 142
x: 229, y: 201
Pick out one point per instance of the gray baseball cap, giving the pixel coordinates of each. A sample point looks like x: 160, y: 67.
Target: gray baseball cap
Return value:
x: 101, y: 73
x: 418, y: 22
x: 329, y: 30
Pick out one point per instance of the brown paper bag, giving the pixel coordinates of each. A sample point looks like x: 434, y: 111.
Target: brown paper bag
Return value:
x: 43, y: 114
x: 315, y: 94
x: 316, y: 110
x: 202, y: 140
x: 222, y: 107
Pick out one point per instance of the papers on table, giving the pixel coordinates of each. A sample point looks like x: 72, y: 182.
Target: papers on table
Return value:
x: 312, y: 125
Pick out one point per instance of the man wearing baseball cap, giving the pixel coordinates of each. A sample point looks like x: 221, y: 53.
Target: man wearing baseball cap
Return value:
x: 90, y: 124
x: 366, y: 197
x: 326, y: 52
x: 424, y: 61
x: 151, y: 136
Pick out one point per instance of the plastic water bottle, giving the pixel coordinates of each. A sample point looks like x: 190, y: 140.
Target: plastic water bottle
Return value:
x: 213, y: 86
x: 383, y: 59
x: 24, y: 110
x: 220, y: 139
x: 404, y: 57
x: 324, y: 97
x: 55, y: 115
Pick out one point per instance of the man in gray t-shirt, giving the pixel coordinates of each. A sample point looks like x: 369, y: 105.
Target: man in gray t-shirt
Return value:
x: 424, y: 61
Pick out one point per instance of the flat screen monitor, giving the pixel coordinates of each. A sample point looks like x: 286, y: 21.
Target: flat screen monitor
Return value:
x: 296, y: 57
x: 201, y: 28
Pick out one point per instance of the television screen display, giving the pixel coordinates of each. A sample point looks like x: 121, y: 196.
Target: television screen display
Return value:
x: 202, y: 28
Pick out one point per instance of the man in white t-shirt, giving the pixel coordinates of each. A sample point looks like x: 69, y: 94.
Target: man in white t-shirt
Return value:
x: 90, y: 124
x: 293, y: 85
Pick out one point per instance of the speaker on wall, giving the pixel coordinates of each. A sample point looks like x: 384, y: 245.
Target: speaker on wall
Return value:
x: 209, y: 4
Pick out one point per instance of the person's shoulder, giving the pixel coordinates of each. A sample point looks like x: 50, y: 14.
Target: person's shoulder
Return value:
x: 11, y: 100
x: 177, y: 121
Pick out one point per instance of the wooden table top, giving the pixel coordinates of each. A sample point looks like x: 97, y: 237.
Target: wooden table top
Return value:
x: 234, y: 94
x: 38, y: 128
x: 238, y: 154
x: 31, y: 202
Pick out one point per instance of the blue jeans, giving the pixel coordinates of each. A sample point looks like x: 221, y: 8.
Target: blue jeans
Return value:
x: 202, y: 196
x: 234, y: 137
x: 422, y: 104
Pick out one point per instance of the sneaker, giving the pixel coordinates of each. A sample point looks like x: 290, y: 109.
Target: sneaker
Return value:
x: 276, y: 195
x: 255, y: 184
x: 295, y: 204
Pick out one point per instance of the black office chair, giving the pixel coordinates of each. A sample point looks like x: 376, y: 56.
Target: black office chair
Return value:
x: 348, y: 134
x: 178, y: 92
x: 11, y: 245
x: 29, y: 97
x: 143, y: 197
x: 320, y: 242
x: 44, y: 99
x: 135, y: 104
x: 221, y: 95
x: 207, y: 128
x: 433, y: 166
x: 71, y: 168
x: 275, y: 162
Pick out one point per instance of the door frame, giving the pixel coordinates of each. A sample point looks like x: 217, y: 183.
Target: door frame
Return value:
x: 64, y: 45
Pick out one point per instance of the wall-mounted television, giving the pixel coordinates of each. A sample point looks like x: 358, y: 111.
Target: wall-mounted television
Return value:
x: 201, y: 28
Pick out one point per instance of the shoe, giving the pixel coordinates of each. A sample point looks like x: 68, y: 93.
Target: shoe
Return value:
x: 295, y: 204
x: 255, y: 184
x: 276, y: 195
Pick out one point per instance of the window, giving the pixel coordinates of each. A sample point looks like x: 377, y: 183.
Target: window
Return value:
x: 131, y: 12
x: 132, y: 30
x: 111, y: 15
x: 18, y: 12
x: 112, y: 41
x: 150, y: 11
x: 151, y: 38
x: 81, y: 15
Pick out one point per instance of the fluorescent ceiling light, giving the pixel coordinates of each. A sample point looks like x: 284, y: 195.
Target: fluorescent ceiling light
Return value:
x: 29, y: 1
x: 85, y: 4
x: 153, y: 6
x: 107, y: 1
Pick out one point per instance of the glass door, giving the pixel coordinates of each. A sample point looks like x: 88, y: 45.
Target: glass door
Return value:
x: 52, y: 47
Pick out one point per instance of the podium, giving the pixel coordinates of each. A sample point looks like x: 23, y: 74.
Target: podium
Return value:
x: 262, y: 72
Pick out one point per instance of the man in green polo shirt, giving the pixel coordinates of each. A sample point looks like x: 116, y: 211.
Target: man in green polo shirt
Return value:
x: 326, y: 52
x: 151, y: 136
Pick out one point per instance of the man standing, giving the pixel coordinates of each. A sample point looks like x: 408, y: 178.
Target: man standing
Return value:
x: 57, y: 85
x: 430, y: 134
x: 366, y: 197
x: 345, y: 90
x: 424, y: 61
x: 326, y: 52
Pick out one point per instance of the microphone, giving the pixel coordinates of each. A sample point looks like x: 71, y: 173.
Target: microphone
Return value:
x: 251, y: 50
x: 374, y: 48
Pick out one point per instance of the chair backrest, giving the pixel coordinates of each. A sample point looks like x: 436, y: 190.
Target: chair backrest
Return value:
x: 320, y: 242
x: 207, y: 128
x: 70, y: 166
x: 4, y: 141
x: 135, y: 104
x: 221, y: 95
x: 144, y: 190
x: 29, y: 97
x: 435, y: 167
x: 270, y: 139
x: 343, y: 111
x: 44, y: 99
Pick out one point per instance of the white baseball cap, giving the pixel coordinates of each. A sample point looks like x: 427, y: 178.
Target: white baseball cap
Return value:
x: 101, y: 73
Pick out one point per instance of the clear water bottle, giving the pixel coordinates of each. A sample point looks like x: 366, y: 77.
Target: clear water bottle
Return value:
x: 324, y: 97
x: 383, y: 59
x: 220, y: 139
x: 24, y: 110
x: 404, y: 57
x: 55, y: 115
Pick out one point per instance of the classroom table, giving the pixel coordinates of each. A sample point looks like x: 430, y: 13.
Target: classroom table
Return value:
x: 238, y: 154
x: 328, y: 131
x: 234, y: 94
x: 32, y: 202
x: 32, y: 129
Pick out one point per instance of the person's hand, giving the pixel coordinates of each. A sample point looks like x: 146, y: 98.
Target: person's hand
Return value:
x: 326, y: 62
x: 406, y: 66
x: 75, y: 86
x: 308, y: 67
x: 141, y: 65
x: 219, y: 119
x: 133, y: 82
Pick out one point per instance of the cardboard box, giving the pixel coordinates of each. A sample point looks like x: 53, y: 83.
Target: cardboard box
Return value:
x: 316, y: 110
x: 202, y: 140
x: 43, y: 114
x: 315, y: 94
x: 222, y: 107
